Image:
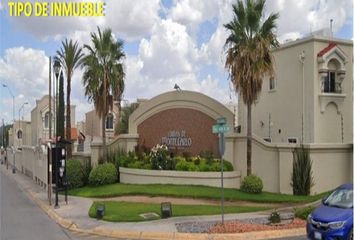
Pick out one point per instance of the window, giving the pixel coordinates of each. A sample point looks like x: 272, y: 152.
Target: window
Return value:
x: 292, y: 140
x: 271, y: 83
x: 19, y: 134
x: 46, y: 120
x: 109, y: 121
x: 330, y: 82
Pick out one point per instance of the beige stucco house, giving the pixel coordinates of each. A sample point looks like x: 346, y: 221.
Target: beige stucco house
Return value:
x: 40, y: 120
x: 93, y: 124
x: 310, y: 97
x: 23, y: 134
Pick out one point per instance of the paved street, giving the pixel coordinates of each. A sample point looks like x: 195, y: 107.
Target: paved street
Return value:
x: 292, y: 238
x: 21, y: 219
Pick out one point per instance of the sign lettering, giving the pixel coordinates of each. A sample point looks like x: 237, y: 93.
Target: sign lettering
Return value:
x: 177, y: 139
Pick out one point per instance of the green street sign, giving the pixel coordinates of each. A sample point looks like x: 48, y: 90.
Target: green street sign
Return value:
x: 221, y: 120
x: 217, y: 128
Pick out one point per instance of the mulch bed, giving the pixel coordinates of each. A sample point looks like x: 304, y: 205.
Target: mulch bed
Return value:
x: 241, y: 227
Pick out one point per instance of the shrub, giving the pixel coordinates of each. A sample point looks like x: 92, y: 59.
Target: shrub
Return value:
x: 252, y: 184
x: 301, y: 177
x: 160, y: 159
x: 204, y: 167
x: 122, y: 161
x: 303, y: 212
x: 103, y: 174
x: 74, y: 173
x: 228, y: 166
x: 192, y: 168
x: 274, y: 217
x: 182, y: 165
x: 197, y: 160
x: 86, y: 169
x: 215, y: 166
x: 208, y: 155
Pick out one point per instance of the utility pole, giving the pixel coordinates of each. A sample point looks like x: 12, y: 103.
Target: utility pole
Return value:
x: 50, y: 135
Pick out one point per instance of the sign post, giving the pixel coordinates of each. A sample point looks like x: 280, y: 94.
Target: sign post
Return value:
x: 220, y: 128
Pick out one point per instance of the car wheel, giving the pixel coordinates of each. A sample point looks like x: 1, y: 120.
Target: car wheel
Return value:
x: 350, y: 237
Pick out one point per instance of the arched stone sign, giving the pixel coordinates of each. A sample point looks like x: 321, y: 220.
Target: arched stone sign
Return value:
x: 180, y: 119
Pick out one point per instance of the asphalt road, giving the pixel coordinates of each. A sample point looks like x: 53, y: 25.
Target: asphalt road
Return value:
x: 21, y: 219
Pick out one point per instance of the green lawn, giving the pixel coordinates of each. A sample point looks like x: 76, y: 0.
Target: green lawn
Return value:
x: 183, y: 191
x: 129, y: 212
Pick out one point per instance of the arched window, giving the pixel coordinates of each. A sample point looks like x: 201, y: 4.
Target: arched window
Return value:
x: 109, y: 121
x: 19, y: 134
x: 46, y: 120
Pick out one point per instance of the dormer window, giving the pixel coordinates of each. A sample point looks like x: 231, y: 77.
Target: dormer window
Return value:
x: 330, y: 82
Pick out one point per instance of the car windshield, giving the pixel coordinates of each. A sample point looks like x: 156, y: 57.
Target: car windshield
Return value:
x: 341, y: 198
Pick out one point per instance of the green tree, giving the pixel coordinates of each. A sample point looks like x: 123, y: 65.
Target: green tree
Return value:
x: 302, y: 177
x: 70, y: 55
x: 123, y: 125
x: 248, y: 55
x: 103, y: 77
x: 60, y: 108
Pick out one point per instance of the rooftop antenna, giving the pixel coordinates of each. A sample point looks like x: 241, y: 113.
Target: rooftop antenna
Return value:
x: 331, y: 28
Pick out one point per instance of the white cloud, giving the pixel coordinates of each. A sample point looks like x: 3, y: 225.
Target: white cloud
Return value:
x: 25, y: 72
x: 131, y: 20
x: 139, y: 85
x: 300, y: 17
x: 169, y: 52
x: 193, y: 12
x: 213, y: 51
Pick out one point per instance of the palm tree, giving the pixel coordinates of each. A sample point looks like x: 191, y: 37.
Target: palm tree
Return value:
x: 103, y: 77
x: 249, y: 58
x: 70, y: 56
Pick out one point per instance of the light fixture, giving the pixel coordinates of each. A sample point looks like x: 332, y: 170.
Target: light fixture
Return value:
x: 56, y: 67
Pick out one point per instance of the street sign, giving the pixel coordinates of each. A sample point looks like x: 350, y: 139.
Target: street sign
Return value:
x: 220, y: 127
x: 217, y: 128
x: 221, y: 120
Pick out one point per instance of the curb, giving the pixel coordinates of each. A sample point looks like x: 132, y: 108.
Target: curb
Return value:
x: 105, y: 232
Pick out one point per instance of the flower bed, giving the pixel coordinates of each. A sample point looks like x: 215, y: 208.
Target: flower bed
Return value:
x: 240, y: 227
x: 159, y: 158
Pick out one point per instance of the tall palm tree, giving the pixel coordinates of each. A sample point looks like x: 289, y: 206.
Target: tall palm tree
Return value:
x: 249, y: 58
x: 70, y: 55
x: 103, y: 77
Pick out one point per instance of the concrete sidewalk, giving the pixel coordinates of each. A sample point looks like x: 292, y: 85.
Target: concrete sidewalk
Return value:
x: 74, y: 216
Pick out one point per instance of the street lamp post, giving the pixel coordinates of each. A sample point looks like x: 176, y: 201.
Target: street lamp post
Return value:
x: 19, y: 118
x: 57, y: 68
x: 13, y: 127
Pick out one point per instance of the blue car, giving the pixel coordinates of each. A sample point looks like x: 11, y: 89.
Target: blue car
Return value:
x: 333, y: 219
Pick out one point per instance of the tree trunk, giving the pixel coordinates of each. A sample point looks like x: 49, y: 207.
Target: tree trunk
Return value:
x: 249, y: 139
x: 68, y: 115
x: 104, y: 115
x: 118, y: 117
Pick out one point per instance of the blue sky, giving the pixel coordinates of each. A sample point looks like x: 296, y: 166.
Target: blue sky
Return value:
x: 166, y: 42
